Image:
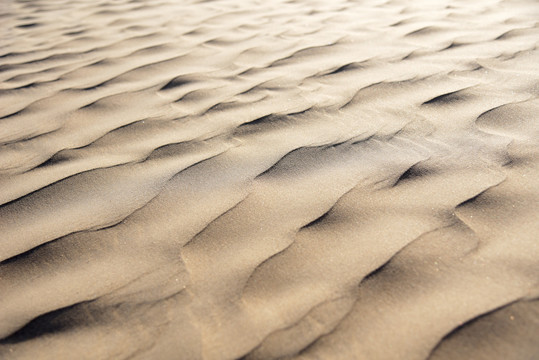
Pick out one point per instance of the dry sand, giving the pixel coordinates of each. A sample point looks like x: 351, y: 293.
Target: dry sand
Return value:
x: 269, y: 179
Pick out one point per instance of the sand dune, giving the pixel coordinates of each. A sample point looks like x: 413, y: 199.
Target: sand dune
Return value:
x: 269, y: 180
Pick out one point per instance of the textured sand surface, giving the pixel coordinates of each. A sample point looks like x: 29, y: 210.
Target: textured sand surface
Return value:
x: 269, y: 179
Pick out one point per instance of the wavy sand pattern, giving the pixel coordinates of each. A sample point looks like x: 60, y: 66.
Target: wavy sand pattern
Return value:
x: 269, y: 179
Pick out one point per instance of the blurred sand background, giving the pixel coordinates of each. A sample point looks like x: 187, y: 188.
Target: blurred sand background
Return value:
x: 244, y: 179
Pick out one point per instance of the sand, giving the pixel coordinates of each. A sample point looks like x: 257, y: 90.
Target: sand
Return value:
x: 245, y: 179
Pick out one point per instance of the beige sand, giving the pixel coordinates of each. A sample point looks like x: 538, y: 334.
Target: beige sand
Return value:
x: 269, y: 179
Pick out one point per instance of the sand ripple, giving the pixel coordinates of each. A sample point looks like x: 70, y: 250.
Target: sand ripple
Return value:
x: 263, y: 180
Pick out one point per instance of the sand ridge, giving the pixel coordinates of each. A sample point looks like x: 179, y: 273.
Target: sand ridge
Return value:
x: 267, y: 180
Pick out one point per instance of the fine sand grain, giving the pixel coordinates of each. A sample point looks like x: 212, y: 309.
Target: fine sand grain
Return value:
x: 269, y: 179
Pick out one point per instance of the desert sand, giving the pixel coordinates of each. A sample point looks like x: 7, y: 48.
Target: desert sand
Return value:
x: 245, y: 179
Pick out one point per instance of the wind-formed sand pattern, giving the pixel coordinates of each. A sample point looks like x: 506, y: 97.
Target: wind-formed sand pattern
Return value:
x: 244, y: 179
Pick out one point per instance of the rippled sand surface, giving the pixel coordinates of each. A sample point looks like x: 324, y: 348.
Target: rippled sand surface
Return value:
x: 269, y: 179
